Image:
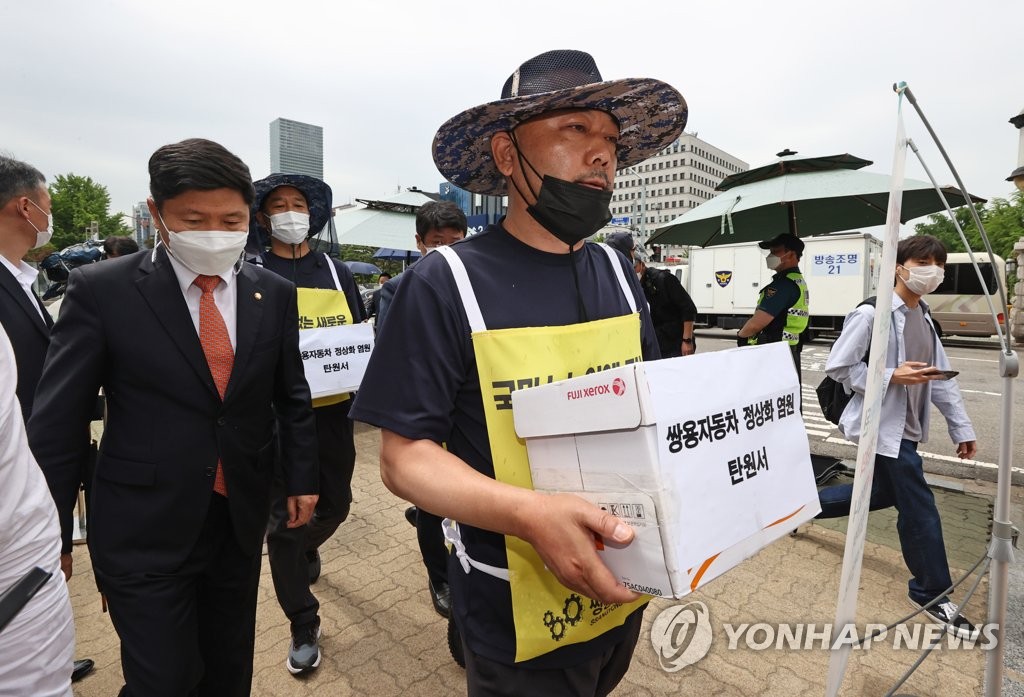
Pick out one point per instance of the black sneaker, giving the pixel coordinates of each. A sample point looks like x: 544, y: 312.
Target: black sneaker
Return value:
x: 410, y: 515
x: 304, y: 652
x: 313, y: 559
x: 943, y: 613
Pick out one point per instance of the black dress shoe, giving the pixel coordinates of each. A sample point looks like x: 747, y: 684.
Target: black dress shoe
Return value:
x: 82, y: 668
x: 410, y: 515
x: 441, y: 597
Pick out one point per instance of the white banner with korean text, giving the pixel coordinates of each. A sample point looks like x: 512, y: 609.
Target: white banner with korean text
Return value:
x: 732, y: 446
x: 335, y: 358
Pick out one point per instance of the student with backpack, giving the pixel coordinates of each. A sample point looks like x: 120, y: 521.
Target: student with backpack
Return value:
x: 914, y: 379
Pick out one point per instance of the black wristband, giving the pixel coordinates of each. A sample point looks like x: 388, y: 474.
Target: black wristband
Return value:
x: 687, y: 341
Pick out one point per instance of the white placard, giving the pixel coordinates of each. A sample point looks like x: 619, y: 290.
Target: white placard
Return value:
x: 335, y: 358
x: 732, y: 446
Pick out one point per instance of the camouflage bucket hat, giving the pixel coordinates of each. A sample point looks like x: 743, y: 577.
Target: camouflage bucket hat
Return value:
x: 318, y: 199
x: 650, y: 113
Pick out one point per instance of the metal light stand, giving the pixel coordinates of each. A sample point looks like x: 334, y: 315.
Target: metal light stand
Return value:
x: 1001, y: 548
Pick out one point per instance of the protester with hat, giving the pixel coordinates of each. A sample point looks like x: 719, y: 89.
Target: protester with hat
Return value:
x: 290, y: 208
x: 672, y: 309
x: 525, y: 300
x: 782, y: 306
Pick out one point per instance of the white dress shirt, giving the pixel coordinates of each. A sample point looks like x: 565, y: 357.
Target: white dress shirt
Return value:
x: 36, y: 647
x: 225, y: 295
x: 25, y: 275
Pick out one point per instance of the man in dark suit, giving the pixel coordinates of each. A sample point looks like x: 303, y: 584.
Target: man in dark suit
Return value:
x: 24, y: 225
x: 198, y: 357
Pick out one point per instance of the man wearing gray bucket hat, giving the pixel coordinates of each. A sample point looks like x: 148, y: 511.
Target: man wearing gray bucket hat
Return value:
x: 537, y: 610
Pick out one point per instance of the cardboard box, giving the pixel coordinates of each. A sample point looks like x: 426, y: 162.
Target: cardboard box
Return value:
x: 706, y: 457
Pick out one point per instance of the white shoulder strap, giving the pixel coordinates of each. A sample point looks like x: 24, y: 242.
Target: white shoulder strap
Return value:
x: 621, y: 275
x: 476, y: 319
x: 334, y: 271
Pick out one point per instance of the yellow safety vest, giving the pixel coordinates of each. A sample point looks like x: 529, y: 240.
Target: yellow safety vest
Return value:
x: 547, y: 615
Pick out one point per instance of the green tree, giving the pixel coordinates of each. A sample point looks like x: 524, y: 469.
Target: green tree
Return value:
x: 77, y: 202
x: 1003, y: 220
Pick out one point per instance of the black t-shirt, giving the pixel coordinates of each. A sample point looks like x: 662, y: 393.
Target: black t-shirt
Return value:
x: 777, y: 297
x: 671, y: 305
x: 311, y: 271
x: 422, y: 383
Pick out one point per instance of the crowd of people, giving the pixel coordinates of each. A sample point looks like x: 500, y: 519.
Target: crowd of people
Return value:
x: 212, y: 420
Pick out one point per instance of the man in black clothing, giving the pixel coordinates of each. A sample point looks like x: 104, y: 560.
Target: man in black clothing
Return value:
x: 291, y: 208
x: 525, y: 297
x: 373, y: 306
x: 672, y: 310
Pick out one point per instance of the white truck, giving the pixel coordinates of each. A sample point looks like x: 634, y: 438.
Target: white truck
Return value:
x: 840, y: 271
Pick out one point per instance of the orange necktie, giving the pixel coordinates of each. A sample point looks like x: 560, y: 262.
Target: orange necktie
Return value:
x: 213, y: 335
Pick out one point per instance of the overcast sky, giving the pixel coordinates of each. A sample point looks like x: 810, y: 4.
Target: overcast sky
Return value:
x: 95, y: 87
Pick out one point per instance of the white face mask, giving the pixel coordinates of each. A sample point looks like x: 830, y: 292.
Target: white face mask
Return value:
x: 206, y: 252
x: 772, y: 261
x: 924, y: 279
x: 42, y: 236
x: 290, y: 227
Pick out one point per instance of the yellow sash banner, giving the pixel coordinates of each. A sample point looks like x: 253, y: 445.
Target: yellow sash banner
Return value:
x: 547, y: 614
x: 321, y: 313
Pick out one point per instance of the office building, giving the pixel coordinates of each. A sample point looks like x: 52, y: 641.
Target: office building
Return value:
x: 296, y: 148
x: 142, y: 221
x: 481, y: 210
x: 680, y: 177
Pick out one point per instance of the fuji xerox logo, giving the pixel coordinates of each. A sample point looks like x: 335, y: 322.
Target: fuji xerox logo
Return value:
x: 616, y: 387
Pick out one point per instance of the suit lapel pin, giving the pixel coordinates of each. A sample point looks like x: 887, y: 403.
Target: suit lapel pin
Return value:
x: 258, y: 295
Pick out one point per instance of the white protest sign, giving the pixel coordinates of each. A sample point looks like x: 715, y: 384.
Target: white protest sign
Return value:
x: 732, y: 446
x: 334, y: 358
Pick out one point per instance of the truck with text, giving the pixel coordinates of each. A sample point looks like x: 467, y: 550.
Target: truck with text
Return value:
x: 840, y: 271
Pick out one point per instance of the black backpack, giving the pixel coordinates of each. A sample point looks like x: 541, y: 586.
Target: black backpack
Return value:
x: 832, y: 396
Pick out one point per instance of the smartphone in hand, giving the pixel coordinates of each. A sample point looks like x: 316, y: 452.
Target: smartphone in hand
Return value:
x: 946, y: 374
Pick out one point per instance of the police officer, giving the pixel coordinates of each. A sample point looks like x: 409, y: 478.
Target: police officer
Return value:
x: 781, y: 313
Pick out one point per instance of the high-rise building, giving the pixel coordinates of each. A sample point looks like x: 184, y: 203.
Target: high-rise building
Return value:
x: 142, y: 221
x: 680, y: 177
x: 481, y: 210
x: 296, y: 148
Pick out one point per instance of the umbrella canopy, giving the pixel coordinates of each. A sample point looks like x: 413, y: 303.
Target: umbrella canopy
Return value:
x: 804, y: 204
x: 363, y: 267
x: 387, y: 222
x: 788, y: 163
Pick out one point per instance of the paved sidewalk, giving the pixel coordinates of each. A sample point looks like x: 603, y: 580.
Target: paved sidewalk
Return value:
x: 381, y: 636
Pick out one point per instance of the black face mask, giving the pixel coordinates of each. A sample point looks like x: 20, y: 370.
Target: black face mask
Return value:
x: 571, y: 212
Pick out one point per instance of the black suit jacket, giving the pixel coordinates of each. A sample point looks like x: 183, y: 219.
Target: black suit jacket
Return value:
x: 29, y: 335
x: 125, y: 326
